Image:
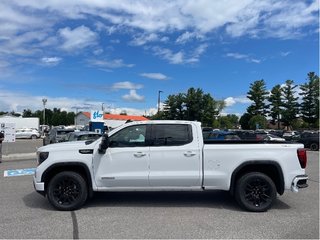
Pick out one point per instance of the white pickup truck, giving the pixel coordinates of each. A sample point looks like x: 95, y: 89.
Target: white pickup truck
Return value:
x: 168, y: 155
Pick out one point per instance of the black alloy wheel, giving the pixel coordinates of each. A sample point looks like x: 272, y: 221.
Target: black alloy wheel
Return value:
x: 67, y: 191
x: 255, y: 192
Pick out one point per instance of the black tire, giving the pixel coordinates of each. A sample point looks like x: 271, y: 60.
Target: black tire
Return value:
x: 255, y: 192
x: 67, y: 191
x: 33, y: 137
x: 314, y: 146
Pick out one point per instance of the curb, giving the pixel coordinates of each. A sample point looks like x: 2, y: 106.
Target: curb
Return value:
x: 19, y: 156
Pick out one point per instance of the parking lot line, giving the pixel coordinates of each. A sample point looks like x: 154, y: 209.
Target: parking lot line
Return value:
x: 19, y: 172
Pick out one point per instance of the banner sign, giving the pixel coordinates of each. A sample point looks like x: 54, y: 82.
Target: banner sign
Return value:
x: 96, y: 116
x: 9, y: 130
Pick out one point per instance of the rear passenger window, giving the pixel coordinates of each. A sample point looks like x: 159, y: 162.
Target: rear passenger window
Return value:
x: 171, y: 134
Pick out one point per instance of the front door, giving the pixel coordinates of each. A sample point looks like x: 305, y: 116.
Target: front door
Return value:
x: 126, y: 162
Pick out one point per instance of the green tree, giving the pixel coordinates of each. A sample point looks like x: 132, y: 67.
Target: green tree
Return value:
x: 276, y: 104
x: 194, y: 105
x: 228, y: 121
x: 244, y: 121
x: 258, y: 95
x: 27, y: 113
x: 258, y: 122
x: 310, y: 100
x: 70, y: 118
x: 290, y: 103
x: 174, y: 107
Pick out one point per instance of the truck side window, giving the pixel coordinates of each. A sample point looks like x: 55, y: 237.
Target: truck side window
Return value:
x: 133, y: 136
x: 171, y: 134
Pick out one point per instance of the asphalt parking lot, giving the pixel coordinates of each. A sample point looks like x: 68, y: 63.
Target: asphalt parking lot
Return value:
x: 26, y: 214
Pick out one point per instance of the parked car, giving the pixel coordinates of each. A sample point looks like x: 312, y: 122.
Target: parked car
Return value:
x: 222, y: 135
x: 82, y: 136
x: 246, y: 134
x: 310, y: 140
x: 273, y: 138
x: 291, y: 135
x: 56, y: 135
x: 27, y: 133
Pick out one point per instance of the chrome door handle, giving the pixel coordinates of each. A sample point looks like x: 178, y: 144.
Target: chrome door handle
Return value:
x: 139, y: 154
x: 189, y: 154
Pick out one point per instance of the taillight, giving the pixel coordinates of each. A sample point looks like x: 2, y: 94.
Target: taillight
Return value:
x: 302, y: 155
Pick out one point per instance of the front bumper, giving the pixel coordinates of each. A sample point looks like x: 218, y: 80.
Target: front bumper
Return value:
x: 299, y: 181
x: 38, y: 186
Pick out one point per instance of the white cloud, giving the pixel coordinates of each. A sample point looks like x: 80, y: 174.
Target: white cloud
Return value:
x: 28, y: 27
x: 18, y: 101
x: 203, y: 16
x: 157, y: 76
x: 246, y: 57
x: 144, y: 38
x: 284, y: 54
x: 133, y: 96
x: 230, y: 101
x: 189, y: 36
x: 180, y: 57
x: 167, y: 54
x: 126, y: 85
x: 78, y: 38
x: 115, y: 63
x: 51, y: 61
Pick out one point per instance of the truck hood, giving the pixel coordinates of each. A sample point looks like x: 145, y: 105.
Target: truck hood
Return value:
x: 66, y: 146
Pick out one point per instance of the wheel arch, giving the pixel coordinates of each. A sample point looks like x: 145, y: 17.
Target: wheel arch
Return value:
x: 268, y: 167
x: 77, y: 167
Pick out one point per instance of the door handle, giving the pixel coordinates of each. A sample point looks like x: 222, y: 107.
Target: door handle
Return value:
x: 189, y: 154
x: 139, y: 154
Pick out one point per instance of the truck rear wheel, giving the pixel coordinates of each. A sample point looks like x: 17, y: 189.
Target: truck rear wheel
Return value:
x: 67, y: 191
x: 255, y: 192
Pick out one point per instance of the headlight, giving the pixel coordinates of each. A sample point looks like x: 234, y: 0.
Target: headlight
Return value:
x: 42, y: 156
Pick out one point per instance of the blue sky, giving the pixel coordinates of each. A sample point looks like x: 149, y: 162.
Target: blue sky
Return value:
x: 80, y: 54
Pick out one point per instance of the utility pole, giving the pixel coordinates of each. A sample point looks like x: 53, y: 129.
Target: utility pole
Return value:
x: 44, y: 101
x: 159, y: 92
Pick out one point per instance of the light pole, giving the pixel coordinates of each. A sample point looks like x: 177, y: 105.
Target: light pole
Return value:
x: 102, y: 107
x: 44, y: 100
x: 159, y: 92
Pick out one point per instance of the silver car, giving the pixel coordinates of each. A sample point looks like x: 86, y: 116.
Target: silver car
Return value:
x: 27, y: 133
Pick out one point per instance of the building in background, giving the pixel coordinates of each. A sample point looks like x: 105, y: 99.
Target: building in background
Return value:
x: 110, y: 120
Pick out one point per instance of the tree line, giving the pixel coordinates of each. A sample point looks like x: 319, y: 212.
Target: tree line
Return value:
x: 53, y: 117
x: 287, y: 105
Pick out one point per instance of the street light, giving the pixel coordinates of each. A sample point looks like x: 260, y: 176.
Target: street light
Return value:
x: 159, y: 100
x: 44, y: 100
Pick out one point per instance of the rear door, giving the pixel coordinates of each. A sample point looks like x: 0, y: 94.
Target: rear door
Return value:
x: 174, y: 156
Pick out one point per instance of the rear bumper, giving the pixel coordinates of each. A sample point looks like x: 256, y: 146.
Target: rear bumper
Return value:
x: 299, y: 181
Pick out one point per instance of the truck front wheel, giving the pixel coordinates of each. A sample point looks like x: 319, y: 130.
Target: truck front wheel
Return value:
x: 255, y: 192
x: 67, y: 191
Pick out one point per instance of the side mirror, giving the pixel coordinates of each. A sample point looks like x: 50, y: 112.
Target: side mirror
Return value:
x: 104, y: 144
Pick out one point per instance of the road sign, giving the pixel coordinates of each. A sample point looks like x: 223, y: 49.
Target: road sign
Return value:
x: 19, y: 172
